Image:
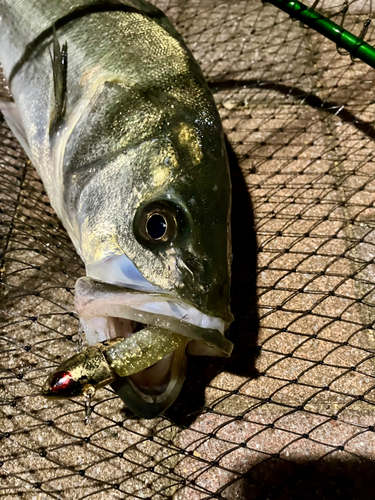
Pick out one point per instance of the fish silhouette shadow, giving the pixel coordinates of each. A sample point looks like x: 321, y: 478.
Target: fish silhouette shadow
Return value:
x: 244, y: 330
x: 329, y: 479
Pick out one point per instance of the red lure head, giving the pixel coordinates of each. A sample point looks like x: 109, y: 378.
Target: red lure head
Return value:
x: 62, y: 383
x: 88, y: 367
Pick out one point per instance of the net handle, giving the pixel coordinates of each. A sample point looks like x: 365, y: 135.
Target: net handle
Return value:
x: 355, y: 45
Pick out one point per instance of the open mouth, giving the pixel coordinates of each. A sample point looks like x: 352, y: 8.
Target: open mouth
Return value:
x: 108, y: 311
x: 156, y: 372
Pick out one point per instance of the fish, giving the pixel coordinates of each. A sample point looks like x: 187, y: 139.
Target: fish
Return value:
x: 115, y: 114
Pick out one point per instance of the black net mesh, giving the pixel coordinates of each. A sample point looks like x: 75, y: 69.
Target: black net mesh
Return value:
x: 291, y: 415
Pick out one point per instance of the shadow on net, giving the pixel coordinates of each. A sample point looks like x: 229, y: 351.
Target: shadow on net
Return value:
x: 328, y: 478
x: 244, y: 330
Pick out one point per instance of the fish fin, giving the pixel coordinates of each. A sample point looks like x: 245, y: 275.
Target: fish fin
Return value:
x: 11, y: 113
x: 59, y: 60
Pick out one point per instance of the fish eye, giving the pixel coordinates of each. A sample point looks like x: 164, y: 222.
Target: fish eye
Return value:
x: 156, y: 226
x: 157, y: 223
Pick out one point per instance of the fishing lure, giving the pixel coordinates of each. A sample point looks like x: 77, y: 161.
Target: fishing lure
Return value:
x: 110, y: 361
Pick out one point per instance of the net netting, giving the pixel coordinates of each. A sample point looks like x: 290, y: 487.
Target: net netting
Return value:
x: 291, y: 414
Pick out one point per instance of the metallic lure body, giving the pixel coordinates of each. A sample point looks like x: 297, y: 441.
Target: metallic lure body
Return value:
x: 113, y: 360
x: 115, y: 114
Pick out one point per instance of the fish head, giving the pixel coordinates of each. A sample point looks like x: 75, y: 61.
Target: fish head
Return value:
x: 155, y: 238
x: 165, y: 212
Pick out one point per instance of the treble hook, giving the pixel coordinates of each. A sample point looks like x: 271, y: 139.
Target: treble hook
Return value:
x: 88, y: 392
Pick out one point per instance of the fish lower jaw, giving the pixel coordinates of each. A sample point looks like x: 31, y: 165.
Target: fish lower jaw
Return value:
x: 149, y: 367
x: 156, y: 383
x: 150, y: 382
x: 151, y: 372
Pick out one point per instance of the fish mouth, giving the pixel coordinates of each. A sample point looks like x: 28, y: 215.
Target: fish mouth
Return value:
x: 110, y: 311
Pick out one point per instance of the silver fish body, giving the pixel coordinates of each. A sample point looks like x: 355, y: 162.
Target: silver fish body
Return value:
x: 135, y: 166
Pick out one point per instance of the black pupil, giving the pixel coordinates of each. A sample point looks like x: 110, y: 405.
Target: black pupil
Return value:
x: 156, y: 226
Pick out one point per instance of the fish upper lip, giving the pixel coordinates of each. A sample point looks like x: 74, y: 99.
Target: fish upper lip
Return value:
x: 211, y: 337
x: 96, y: 302
x: 90, y: 290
